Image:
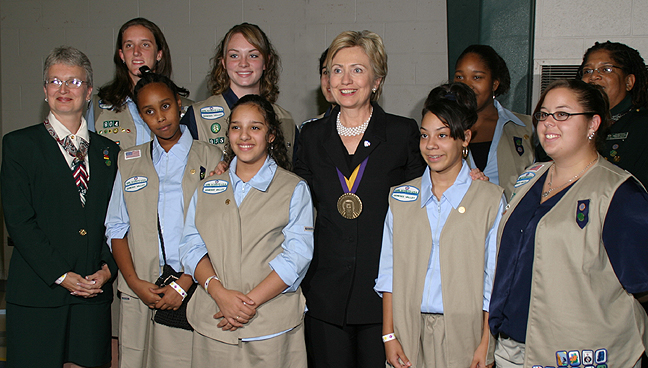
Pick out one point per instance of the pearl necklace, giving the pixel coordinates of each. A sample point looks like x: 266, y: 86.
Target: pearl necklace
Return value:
x: 353, y: 131
x: 553, y: 168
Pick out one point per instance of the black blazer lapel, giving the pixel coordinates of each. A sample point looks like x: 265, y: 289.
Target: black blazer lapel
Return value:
x: 333, y: 145
x: 373, y: 136
x: 61, y: 177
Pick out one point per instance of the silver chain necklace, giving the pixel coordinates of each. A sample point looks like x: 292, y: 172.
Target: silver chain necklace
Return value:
x: 553, y: 168
x: 353, y: 131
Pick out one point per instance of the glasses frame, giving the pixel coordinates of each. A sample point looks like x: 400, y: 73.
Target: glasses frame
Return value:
x: 68, y: 83
x: 598, y: 70
x: 538, y: 114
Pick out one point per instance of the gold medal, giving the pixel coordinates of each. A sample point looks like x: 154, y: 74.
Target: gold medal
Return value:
x: 349, y: 205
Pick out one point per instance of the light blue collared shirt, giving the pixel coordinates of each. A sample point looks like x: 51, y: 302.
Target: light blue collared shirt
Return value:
x: 142, y: 130
x: 491, y: 164
x: 170, y: 167
x: 438, y: 212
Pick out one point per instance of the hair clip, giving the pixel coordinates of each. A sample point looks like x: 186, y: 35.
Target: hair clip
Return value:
x: 450, y: 96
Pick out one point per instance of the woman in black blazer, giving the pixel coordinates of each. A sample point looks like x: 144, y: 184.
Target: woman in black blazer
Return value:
x: 379, y: 150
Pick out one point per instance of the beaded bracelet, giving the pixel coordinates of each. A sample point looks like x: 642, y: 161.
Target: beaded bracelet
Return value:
x: 388, y: 337
x: 179, y: 289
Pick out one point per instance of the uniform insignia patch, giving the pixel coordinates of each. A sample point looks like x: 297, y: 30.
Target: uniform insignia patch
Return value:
x: 588, y: 357
x: 406, y: 193
x: 524, y: 178
x: 582, y: 213
x: 129, y: 155
x: 518, y: 145
x: 212, y: 112
x: 600, y: 356
x: 135, y: 183
x: 561, y: 358
x: 574, y: 358
x: 215, y: 186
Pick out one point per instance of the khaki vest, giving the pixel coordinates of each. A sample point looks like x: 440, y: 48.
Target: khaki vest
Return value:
x: 461, y: 257
x: 241, y: 242
x: 119, y: 126
x: 211, y: 122
x: 510, y: 164
x: 577, y: 302
x: 140, y: 185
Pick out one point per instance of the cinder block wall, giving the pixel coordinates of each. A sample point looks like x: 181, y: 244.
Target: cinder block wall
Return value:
x: 564, y: 30
x: 414, y: 32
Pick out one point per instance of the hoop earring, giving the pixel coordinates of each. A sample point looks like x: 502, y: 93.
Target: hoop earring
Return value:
x: 464, y: 151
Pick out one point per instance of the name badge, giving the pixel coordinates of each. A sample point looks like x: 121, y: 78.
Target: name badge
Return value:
x: 406, y: 193
x: 215, y: 186
x: 212, y: 112
x: 135, y: 183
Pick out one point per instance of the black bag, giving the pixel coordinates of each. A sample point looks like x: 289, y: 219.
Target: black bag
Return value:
x: 173, y: 318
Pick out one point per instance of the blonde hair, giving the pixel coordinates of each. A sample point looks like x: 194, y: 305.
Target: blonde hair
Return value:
x: 372, y: 45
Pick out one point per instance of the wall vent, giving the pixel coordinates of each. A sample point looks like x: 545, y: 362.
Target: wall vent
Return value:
x: 551, y: 73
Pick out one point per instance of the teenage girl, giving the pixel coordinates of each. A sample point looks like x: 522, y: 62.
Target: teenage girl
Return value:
x: 439, y: 247
x: 113, y: 112
x: 248, y: 241
x: 245, y: 62
x: 144, y: 225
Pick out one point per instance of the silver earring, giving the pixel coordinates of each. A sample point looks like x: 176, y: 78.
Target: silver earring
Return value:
x: 464, y: 152
x: 373, y: 90
x: 46, y: 99
x: 591, y: 136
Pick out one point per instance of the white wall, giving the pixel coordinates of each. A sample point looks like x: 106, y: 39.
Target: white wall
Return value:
x: 414, y: 32
x: 566, y: 29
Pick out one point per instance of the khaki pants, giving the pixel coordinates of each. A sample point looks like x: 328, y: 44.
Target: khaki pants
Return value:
x: 143, y: 343
x: 432, y: 346
x: 287, y: 350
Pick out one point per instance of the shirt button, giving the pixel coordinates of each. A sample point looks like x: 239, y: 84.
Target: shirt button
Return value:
x: 82, y: 232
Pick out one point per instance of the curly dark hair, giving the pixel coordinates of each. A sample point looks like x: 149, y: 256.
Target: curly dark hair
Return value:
x: 631, y: 62
x: 591, y: 97
x: 277, y: 149
x: 219, y: 81
x: 116, y: 91
x: 494, y: 62
x: 149, y: 77
x: 455, y: 105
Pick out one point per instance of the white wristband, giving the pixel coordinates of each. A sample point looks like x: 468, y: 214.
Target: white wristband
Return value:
x: 206, y: 285
x: 179, y: 289
x: 59, y: 281
x: 389, y: 337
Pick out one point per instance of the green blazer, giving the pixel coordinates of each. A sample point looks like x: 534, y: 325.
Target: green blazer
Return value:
x: 51, y: 231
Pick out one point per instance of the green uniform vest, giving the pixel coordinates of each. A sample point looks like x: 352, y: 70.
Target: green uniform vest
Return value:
x: 211, y: 122
x: 461, y: 257
x: 119, y: 126
x: 510, y: 163
x: 241, y: 242
x: 140, y: 185
x: 577, y: 302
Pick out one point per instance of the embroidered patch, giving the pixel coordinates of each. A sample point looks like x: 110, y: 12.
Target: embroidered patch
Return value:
x: 110, y: 123
x: 518, y: 145
x: 574, y: 358
x: 309, y: 228
x: 202, y: 172
x: 217, y: 140
x: 535, y: 168
x: 406, y: 193
x: 615, y: 136
x: 561, y: 358
x: 600, y: 356
x: 212, y: 112
x: 582, y: 213
x: 588, y: 357
x: 215, y: 128
x: 524, y: 178
x: 215, y: 186
x: 129, y: 155
x: 135, y: 183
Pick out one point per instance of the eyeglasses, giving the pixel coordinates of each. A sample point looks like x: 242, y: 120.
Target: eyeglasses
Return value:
x: 72, y: 83
x: 558, y: 115
x: 606, y: 69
